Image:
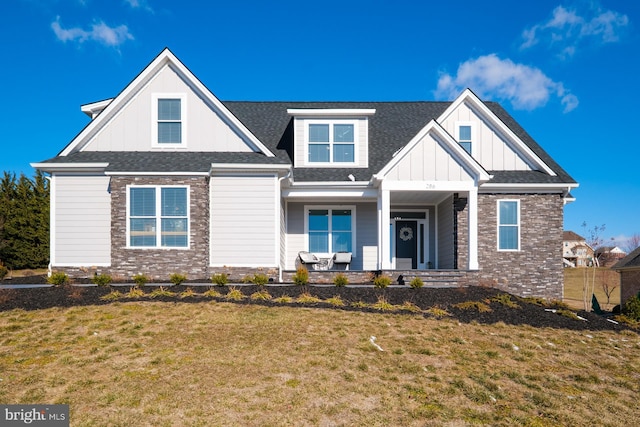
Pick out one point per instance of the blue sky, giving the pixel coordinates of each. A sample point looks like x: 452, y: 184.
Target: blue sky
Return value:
x: 567, y: 71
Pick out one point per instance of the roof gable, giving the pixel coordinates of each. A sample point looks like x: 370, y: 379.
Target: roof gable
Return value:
x: 631, y: 261
x: 165, y: 67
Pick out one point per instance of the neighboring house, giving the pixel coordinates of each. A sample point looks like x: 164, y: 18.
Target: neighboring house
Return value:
x: 575, y: 250
x: 609, y: 255
x: 629, y: 269
x: 168, y: 178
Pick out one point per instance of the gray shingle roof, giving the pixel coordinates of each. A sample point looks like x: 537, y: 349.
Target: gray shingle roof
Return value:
x: 138, y: 161
x: 392, y: 126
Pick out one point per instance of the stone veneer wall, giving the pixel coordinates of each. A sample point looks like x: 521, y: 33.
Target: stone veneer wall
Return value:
x: 629, y: 284
x: 534, y: 270
x: 158, y: 264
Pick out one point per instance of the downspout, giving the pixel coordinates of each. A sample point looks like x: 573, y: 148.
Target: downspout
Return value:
x: 49, y: 269
x: 280, y: 266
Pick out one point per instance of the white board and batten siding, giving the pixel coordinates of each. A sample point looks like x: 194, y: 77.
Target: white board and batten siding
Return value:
x: 131, y: 129
x: 245, y: 218
x: 81, y: 221
x: 489, y: 148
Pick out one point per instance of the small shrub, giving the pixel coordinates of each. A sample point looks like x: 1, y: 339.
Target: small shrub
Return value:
x: 284, y: 299
x: 505, y: 299
x: 633, y: 323
x: 632, y: 308
x: 559, y: 304
x: 177, y: 278
x: 135, y: 293
x: 567, y: 313
x: 409, y: 306
x: 140, y: 279
x: 161, y: 292
x: 536, y: 301
x: 478, y: 306
x: 101, y: 279
x: 234, y: 294
x: 260, y: 279
x: 187, y: 293
x: 382, y: 281
x: 359, y: 304
x: 219, y: 279
x: 335, y: 301
x: 212, y: 293
x: 383, y: 305
x: 438, y: 312
x: 340, y: 280
x: 112, y: 296
x: 58, y: 279
x: 307, y: 298
x: 247, y: 278
x: 416, y: 283
x: 260, y: 296
x: 301, y: 277
x: 3, y: 271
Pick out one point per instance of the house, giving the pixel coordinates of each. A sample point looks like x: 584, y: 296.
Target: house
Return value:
x: 167, y: 178
x: 575, y: 250
x: 609, y: 255
x: 629, y: 269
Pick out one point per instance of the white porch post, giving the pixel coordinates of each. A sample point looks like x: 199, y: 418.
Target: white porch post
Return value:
x: 473, y: 229
x: 384, y: 242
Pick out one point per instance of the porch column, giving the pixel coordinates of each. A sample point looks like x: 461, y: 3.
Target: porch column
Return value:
x: 473, y: 229
x: 384, y: 239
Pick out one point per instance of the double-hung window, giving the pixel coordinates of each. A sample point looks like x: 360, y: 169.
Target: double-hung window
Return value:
x: 331, y: 142
x: 169, y: 120
x: 158, y: 217
x: 508, y: 225
x: 330, y: 229
x: 465, y: 137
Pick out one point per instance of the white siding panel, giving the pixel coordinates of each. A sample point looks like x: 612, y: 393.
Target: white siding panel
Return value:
x: 295, y: 233
x: 131, y: 128
x: 82, y: 215
x: 243, y: 221
x: 490, y: 149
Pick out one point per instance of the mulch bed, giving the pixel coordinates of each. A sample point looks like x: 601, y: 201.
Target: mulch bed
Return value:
x: 528, y: 313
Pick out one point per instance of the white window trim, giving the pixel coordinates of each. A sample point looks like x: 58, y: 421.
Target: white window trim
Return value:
x: 330, y: 208
x: 331, y: 122
x: 158, y: 218
x: 474, y: 140
x: 519, y: 225
x: 154, y: 119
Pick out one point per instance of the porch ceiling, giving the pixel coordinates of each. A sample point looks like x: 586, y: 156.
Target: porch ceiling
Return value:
x: 418, y: 197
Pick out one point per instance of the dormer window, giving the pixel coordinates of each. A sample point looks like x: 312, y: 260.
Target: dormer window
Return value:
x: 331, y: 142
x: 169, y: 120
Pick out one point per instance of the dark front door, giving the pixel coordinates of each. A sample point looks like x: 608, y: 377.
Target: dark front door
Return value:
x: 406, y: 243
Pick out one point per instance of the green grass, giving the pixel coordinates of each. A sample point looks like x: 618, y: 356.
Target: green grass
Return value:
x: 144, y: 362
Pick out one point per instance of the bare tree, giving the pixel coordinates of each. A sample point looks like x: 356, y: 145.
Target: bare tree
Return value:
x: 594, y: 239
x: 632, y: 243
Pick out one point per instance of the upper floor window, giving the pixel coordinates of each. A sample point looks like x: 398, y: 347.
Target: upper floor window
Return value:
x: 465, y: 137
x: 508, y: 225
x: 158, y: 217
x: 331, y: 142
x: 169, y: 120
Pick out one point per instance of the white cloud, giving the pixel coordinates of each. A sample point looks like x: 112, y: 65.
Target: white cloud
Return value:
x: 490, y: 77
x: 139, y: 4
x: 568, y: 29
x: 99, y: 32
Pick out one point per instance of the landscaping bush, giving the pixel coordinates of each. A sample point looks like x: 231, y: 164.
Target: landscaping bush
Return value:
x: 58, y: 279
x: 632, y: 308
x: 260, y: 279
x: 416, y: 283
x: 340, y: 280
x: 219, y: 279
x: 382, y: 281
x: 101, y: 279
x: 301, y: 277
x: 140, y: 279
x: 3, y: 271
x: 177, y: 278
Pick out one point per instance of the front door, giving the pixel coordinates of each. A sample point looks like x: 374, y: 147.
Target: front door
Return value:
x: 406, y: 245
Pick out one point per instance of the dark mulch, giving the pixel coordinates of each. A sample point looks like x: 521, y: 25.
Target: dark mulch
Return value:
x: 527, y: 313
